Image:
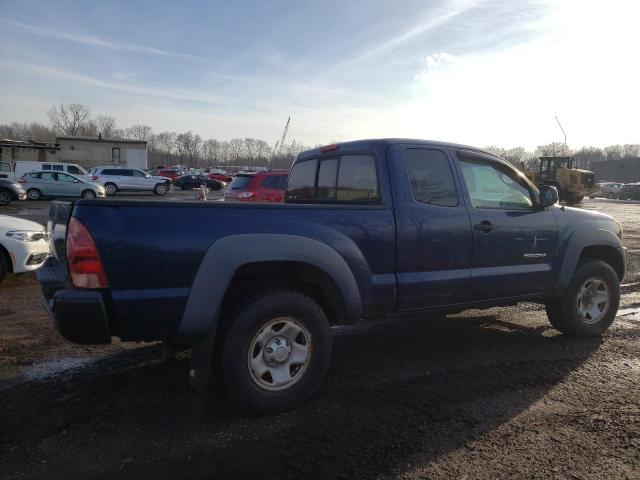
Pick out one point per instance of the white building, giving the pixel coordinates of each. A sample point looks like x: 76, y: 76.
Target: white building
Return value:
x: 97, y: 151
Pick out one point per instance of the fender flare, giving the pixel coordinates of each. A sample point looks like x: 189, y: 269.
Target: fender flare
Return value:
x: 577, y: 242
x: 226, y: 255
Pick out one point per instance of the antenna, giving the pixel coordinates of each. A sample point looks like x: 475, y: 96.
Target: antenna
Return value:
x: 560, y: 125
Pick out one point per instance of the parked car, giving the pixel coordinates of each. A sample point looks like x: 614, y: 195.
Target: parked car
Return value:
x: 608, y: 190
x: 369, y: 229
x: 171, y: 174
x: 120, y: 179
x: 220, y: 177
x: 187, y: 182
x: 630, y: 191
x: 17, y: 170
x: 10, y: 191
x: 24, y: 245
x: 54, y: 184
x: 257, y: 187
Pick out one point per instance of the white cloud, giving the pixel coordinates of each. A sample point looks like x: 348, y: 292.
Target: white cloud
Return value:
x: 98, y: 42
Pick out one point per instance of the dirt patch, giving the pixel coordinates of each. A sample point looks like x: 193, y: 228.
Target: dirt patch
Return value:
x: 484, y: 394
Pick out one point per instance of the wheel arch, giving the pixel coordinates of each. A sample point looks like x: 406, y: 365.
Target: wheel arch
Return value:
x: 5, y: 253
x: 597, y: 244
x: 247, y: 259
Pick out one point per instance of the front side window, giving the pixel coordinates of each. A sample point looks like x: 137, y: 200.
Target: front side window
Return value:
x: 63, y: 177
x: 138, y: 173
x: 125, y: 173
x: 491, y: 186
x: 430, y: 177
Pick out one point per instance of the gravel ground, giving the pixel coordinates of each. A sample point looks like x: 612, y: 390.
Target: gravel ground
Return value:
x: 484, y: 394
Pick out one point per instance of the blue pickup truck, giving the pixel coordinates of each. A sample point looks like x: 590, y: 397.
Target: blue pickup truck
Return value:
x: 369, y: 229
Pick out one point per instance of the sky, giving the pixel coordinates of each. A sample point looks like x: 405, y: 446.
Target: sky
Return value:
x: 479, y: 72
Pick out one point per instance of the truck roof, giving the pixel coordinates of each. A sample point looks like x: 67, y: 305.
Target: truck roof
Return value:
x: 369, y: 144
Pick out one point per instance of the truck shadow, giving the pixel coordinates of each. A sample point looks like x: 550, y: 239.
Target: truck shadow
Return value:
x: 395, y: 392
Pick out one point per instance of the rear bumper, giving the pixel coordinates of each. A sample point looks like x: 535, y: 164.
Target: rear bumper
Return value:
x: 79, y: 315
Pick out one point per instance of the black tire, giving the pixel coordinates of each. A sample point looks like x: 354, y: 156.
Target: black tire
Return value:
x: 241, y: 384
x: 34, y: 194
x: 4, y: 264
x: 161, y: 189
x: 5, y: 196
x: 110, y: 189
x: 563, y: 312
x: 88, y: 194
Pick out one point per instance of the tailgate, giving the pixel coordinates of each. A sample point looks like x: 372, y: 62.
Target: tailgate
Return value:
x: 59, y: 214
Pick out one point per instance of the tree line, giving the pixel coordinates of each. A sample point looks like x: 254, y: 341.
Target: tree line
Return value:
x: 187, y: 148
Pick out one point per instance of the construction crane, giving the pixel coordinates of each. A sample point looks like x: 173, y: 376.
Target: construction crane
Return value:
x: 280, y: 145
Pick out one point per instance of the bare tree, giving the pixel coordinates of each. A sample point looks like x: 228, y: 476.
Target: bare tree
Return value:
x: 139, y: 132
x: 68, y: 119
x: 613, y: 152
x: 236, y: 147
x: 211, y: 151
x: 165, y: 143
x: 106, y: 126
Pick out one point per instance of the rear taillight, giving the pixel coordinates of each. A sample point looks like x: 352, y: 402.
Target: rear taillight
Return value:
x: 94, y: 178
x: 246, y: 195
x: 85, y: 265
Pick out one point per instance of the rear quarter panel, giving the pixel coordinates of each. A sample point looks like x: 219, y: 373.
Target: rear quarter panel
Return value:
x: 151, y: 251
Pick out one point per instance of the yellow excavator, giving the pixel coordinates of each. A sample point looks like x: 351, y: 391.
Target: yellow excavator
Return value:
x: 573, y: 184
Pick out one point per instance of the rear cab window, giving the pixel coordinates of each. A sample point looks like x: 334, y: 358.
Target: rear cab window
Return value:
x: 346, y: 178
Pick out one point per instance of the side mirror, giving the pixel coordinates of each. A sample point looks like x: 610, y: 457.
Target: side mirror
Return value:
x: 75, y: 180
x: 148, y: 176
x: 548, y: 196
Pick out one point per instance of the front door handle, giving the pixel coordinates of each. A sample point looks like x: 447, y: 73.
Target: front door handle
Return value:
x: 485, y: 226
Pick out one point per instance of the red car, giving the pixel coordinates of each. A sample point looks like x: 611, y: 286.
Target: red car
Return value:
x: 220, y: 177
x: 169, y: 173
x: 257, y: 187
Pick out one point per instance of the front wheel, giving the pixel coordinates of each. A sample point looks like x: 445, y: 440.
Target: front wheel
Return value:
x: 88, y: 194
x: 276, y: 352
x: 161, y: 189
x: 590, y: 303
x: 5, y: 197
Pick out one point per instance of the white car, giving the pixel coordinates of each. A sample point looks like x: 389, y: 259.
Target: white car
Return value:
x: 124, y: 179
x: 24, y: 245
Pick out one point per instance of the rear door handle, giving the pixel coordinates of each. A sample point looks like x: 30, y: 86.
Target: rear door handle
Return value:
x: 485, y: 226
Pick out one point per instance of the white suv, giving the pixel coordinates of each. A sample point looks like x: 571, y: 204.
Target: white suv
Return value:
x: 119, y: 179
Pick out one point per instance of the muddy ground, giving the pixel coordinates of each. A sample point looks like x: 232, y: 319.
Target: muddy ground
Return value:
x: 485, y: 394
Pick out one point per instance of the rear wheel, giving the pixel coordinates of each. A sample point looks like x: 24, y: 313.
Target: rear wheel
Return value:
x: 276, y: 352
x: 590, y: 303
x: 161, y: 189
x: 5, y: 197
x: 88, y: 194
x: 34, y: 194
x: 110, y: 189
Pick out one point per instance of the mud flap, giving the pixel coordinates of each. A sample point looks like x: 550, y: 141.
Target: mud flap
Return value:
x: 201, y: 365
